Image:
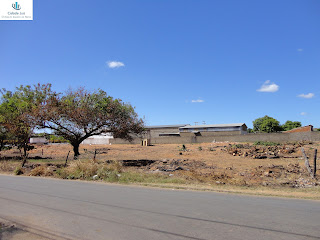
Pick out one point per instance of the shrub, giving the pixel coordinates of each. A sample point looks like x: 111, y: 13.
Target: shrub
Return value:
x: 18, y: 171
x: 183, y: 148
x: 62, y: 173
x: 108, y: 174
x: 264, y: 143
x: 238, y: 145
x: 41, y: 171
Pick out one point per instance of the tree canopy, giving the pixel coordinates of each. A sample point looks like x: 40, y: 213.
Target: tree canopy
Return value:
x: 75, y: 115
x: 269, y: 124
x: 290, y: 125
x: 79, y: 114
x: 266, y: 124
x: 17, y: 111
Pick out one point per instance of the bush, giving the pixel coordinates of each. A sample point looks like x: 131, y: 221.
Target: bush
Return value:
x: 18, y: 171
x: 41, y: 171
x: 183, y: 148
x: 108, y: 174
x: 62, y: 173
x: 264, y: 143
x: 57, y: 139
x: 238, y: 145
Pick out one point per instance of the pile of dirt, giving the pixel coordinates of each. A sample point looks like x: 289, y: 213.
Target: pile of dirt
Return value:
x: 171, y: 165
x: 292, y: 175
x: 261, y: 152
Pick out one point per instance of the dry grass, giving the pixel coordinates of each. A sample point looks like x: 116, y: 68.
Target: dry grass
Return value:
x: 8, y: 166
x: 41, y: 171
x: 206, y: 166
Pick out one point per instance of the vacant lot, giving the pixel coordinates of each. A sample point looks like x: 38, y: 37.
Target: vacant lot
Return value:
x: 210, y: 165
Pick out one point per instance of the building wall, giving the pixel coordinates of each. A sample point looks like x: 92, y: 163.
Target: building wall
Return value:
x: 209, y: 134
x: 122, y: 141
x: 154, y: 132
x: 97, y: 140
x: 38, y: 140
x: 250, y: 137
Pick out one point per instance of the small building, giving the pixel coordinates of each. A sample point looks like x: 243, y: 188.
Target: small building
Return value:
x: 98, y: 139
x: 38, y: 140
x: 214, y: 129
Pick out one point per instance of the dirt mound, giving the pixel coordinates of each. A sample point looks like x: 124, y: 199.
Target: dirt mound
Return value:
x: 261, y: 151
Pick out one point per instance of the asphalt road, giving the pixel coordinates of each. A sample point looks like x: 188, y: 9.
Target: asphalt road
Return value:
x: 83, y: 210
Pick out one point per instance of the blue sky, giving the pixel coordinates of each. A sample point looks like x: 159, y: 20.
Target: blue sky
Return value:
x: 176, y: 61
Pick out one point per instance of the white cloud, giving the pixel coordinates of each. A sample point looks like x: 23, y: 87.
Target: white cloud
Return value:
x: 115, y: 64
x: 303, y: 113
x: 197, y: 101
x: 309, y: 95
x: 268, y: 87
x: 299, y: 49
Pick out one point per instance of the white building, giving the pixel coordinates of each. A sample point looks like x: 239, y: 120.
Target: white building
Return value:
x: 98, y: 139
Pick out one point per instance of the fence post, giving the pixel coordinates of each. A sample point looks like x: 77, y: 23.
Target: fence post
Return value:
x: 94, y: 156
x: 315, y: 163
x: 66, y: 160
x: 307, y: 163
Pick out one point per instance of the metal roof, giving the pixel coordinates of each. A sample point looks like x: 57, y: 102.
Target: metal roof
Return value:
x: 214, y: 125
x: 168, y: 126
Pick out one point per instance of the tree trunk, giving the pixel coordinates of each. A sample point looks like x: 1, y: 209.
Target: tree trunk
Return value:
x: 76, y: 150
x: 24, y: 157
x: 1, y: 144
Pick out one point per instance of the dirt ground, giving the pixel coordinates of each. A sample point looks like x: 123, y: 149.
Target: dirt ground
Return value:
x: 216, y: 163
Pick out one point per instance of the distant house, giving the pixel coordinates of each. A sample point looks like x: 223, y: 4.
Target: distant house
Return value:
x: 98, y: 139
x: 38, y: 140
x: 308, y: 128
x: 214, y: 129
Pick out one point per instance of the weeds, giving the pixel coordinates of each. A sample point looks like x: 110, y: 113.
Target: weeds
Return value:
x: 265, y: 143
x: 183, y: 148
x: 112, y: 172
x: 18, y: 171
x: 7, y: 166
x: 41, y: 171
x: 238, y: 145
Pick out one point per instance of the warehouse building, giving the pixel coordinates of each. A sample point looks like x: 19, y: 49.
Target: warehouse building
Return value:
x: 164, y: 130
x: 214, y: 130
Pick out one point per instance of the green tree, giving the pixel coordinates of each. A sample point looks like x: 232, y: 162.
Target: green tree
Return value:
x: 250, y: 130
x: 18, y: 110
x: 79, y: 114
x: 291, y: 125
x: 266, y: 124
